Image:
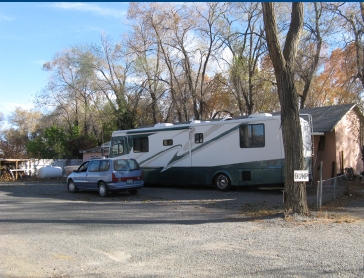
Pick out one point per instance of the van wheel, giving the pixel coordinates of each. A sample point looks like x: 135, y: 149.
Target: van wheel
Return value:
x: 103, y: 190
x: 71, y: 186
x: 222, y: 182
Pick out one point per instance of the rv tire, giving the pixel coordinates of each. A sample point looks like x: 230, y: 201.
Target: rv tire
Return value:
x: 222, y: 182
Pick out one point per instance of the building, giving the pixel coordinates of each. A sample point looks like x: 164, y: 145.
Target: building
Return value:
x: 97, y: 152
x: 337, y: 139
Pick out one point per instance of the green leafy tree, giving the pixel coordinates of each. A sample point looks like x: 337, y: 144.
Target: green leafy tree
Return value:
x: 56, y: 143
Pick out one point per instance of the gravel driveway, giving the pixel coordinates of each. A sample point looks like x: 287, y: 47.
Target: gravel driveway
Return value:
x: 169, y: 232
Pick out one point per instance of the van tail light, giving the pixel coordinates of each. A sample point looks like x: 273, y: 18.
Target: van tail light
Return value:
x: 115, y: 179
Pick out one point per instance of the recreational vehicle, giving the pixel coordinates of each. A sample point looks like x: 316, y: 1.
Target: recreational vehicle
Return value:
x: 235, y: 152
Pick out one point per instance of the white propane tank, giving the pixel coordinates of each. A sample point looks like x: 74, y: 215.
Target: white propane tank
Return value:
x: 49, y: 172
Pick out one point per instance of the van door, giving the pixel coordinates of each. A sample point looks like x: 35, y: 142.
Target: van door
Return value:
x: 93, y: 174
x: 80, y: 176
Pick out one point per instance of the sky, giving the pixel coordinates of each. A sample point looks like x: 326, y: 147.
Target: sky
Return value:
x: 31, y: 33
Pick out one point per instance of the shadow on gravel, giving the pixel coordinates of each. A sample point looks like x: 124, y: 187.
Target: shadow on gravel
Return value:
x: 58, y: 190
x: 150, y: 221
x: 207, y: 202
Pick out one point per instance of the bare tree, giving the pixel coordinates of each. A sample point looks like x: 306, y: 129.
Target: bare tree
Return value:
x: 243, y: 35
x: 185, y: 36
x: 319, y: 24
x: 148, y: 65
x: 69, y: 88
x: 111, y: 67
x: 26, y: 121
x: 283, y: 63
x: 352, y: 22
x: 153, y: 18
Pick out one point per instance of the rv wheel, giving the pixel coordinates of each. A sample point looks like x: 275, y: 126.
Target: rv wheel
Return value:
x: 222, y: 182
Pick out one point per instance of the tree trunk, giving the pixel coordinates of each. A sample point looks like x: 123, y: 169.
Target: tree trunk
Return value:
x: 296, y: 199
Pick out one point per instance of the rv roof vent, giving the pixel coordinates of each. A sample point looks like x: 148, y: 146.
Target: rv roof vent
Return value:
x: 163, y: 125
x: 260, y: 115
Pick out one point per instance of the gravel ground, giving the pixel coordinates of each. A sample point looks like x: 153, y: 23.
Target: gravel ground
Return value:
x: 46, y: 231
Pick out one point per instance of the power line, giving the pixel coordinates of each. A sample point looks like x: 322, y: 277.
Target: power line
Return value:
x: 5, y: 108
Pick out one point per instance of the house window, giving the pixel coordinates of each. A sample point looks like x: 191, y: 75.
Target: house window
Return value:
x: 141, y: 144
x: 168, y: 142
x: 198, y: 138
x: 252, y: 136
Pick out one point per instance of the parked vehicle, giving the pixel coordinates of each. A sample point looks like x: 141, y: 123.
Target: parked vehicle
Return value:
x: 246, y: 151
x: 107, y: 175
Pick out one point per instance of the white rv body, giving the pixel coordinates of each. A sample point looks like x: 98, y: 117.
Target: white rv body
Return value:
x: 244, y: 152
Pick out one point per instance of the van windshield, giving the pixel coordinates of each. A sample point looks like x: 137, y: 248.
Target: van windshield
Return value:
x: 126, y: 164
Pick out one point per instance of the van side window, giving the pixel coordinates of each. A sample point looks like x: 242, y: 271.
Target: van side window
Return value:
x: 104, y: 165
x: 83, y: 167
x: 198, y: 138
x: 94, y: 166
x: 168, y: 142
x: 252, y: 136
x: 141, y: 144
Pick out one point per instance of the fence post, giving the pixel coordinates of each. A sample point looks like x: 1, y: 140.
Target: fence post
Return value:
x: 320, y: 195
x: 335, y: 187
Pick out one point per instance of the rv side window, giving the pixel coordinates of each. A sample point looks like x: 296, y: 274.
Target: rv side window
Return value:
x: 252, y: 136
x: 141, y: 145
x: 168, y: 142
x: 198, y: 138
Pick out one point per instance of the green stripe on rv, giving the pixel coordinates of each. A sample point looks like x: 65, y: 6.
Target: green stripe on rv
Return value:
x: 241, y: 174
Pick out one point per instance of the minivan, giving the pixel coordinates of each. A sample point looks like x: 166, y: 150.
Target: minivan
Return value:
x: 107, y: 175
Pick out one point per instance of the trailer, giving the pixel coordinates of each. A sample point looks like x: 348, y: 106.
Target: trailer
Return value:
x: 245, y: 151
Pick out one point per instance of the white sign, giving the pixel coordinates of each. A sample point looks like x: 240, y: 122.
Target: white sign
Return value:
x: 301, y: 175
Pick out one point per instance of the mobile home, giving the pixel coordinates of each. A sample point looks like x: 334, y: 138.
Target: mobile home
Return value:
x: 235, y: 152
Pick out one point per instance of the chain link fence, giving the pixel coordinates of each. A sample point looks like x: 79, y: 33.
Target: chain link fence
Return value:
x: 330, y: 189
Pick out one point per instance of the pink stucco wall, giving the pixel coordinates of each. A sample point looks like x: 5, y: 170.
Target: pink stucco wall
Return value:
x: 87, y: 156
x: 347, y: 134
x: 342, y: 146
x: 327, y: 156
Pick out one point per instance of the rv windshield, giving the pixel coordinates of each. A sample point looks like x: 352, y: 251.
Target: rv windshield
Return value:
x: 117, y: 146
